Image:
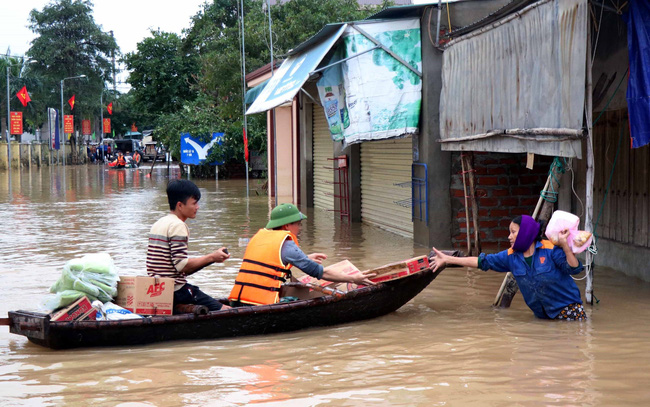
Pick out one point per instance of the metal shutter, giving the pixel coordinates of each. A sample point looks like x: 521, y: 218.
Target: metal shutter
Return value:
x: 384, y: 164
x: 323, y: 149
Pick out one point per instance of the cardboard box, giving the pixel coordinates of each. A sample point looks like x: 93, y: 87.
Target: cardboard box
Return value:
x: 344, y: 266
x: 77, y: 311
x: 146, y: 295
x: 400, y: 269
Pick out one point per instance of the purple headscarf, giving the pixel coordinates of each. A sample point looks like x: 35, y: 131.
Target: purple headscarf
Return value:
x: 528, y: 231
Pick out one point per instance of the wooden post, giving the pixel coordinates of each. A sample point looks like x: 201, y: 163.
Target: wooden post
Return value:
x: 153, y: 162
x: 469, y: 245
x: 472, y: 188
x: 589, y: 187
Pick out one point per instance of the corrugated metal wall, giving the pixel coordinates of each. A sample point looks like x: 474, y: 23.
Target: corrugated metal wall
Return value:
x: 384, y: 164
x: 527, y: 71
x: 323, y: 149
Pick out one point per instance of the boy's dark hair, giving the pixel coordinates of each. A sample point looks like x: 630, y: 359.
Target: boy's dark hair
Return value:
x: 180, y: 190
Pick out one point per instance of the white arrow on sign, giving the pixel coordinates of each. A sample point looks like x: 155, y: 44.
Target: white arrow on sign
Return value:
x: 201, y: 151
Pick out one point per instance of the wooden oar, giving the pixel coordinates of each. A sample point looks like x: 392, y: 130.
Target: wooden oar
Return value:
x: 316, y: 287
x: 5, y: 321
x: 153, y: 162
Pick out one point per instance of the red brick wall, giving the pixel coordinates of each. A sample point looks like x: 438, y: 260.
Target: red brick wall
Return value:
x: 505, y: 188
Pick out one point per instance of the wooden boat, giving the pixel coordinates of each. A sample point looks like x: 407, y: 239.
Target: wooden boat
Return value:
x: 359, y: 304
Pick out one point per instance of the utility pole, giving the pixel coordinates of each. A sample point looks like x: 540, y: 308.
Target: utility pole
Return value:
x: 243, y: 73
x: 275, y: 144
x: 113, y: 55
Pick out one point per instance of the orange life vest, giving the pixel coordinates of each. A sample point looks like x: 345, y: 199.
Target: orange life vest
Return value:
x: 262, y: 272
x: 121, y: 160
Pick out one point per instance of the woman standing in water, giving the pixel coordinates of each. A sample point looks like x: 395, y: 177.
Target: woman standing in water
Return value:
x: 542, y: 271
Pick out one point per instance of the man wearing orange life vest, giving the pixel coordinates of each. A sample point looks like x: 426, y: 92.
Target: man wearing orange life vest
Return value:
x: 137, y: 158
x: 119, y: 162
x: 272, y: 252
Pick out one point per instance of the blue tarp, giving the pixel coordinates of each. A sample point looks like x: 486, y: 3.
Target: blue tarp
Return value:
x: 638, y: 88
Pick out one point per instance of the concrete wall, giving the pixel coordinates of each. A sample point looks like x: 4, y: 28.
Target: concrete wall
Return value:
x: 27, y: 155
x: 306, y: 152
x: 3, y: 156
x: 437, y: 231
x: 631, y: 260
x: 284, y: 144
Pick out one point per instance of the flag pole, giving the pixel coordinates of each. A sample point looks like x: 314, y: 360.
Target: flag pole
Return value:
x: 275, y: 149
x: 101, y: 122
x: 243, y: 76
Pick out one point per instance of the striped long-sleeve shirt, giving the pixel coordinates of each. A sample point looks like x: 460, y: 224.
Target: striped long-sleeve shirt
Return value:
x: 167, y: 251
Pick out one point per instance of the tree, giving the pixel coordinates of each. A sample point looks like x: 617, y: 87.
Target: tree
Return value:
x: 207, y: 61
x: 16, y: 81
x: 69, y: 43
x: 162, y: 75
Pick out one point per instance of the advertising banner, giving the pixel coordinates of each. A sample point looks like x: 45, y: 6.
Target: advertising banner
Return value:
x: 107, y: 125
x: 68, y: 124
x: 16, y: 123
x: 85, y: 127
x: 53, y: 121
x: 372, y: 95
x: 195, y: 151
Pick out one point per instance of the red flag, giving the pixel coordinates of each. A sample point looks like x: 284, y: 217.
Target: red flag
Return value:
x: 71, y: 102
x: 23, y: 96
x: 110, y: 108
x: 245, y: 146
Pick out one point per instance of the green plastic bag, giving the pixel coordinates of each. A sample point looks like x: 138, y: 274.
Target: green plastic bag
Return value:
x: 93, y: 275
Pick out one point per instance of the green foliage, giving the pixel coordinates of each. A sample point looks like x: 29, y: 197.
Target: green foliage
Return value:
x: 17, y: 80
x: 201, y: 118
x: 190, y: 83
x: 69, y: 43
x: 125, y: 112
x: 162, y: 74
x: 215, y: 37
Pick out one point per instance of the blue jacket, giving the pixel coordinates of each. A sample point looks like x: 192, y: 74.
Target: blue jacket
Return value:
x: 547, y: 287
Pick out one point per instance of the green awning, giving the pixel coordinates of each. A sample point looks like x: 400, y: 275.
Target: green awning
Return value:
x: 254, y: 92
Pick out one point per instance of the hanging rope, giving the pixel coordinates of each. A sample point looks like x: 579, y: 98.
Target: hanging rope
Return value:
x: 551, y: 194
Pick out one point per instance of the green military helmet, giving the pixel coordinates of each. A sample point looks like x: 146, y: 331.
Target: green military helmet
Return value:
x: 284, y: 214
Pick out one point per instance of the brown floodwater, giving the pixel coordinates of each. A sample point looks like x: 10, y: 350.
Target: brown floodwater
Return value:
x: 447, y: 347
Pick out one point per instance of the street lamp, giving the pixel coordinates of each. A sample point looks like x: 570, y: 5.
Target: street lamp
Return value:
x: 9, y: 110
x: 62, y: 128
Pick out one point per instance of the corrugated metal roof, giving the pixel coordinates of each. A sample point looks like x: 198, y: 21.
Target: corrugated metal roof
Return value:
x: 325, y: 32
x: 414, y: 10
x: 393, y: 13
x: 512, y: 7
x: 518, y: 85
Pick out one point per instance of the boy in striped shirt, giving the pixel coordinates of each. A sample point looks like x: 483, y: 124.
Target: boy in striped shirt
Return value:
x: 167, y: 252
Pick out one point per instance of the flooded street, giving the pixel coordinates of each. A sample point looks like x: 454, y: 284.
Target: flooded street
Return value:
x: 447, y: 347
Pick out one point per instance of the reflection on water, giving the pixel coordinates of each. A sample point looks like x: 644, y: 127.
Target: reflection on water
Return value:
x: 446, y: 347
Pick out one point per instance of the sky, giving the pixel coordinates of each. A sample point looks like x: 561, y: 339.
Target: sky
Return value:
x: 130, y: 21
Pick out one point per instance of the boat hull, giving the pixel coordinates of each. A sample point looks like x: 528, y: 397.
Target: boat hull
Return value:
x: 365, y: 303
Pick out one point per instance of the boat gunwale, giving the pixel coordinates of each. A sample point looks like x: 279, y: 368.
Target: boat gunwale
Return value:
x: 224, y: 314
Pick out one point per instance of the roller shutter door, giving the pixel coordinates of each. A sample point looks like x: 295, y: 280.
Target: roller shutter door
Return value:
x: 322, y: 150
x: 384, y: 164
